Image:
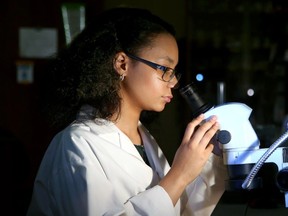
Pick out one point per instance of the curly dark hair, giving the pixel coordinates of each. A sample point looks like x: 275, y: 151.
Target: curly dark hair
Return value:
x: 83, y: 71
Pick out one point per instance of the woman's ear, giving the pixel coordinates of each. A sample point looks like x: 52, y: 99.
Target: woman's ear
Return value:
x: 120, y: 63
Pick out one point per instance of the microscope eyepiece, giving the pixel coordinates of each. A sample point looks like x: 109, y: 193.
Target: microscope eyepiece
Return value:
x: 196, y: 104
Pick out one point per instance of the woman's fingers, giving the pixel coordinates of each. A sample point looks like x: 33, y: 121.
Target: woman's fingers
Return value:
x: 201, y: 133
x: 191, y: 127
x: 206, y: 131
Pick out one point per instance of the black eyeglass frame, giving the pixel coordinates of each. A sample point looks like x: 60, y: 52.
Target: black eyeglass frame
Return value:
x: 155, y: 66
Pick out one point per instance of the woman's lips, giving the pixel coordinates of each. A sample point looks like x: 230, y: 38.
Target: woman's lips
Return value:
x: 167, y: 98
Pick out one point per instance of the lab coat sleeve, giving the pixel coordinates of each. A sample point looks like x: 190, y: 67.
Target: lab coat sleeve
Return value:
x: 78, y: 186
x: 203, y: 194
x: 145, y: 204
x: 98, y: 197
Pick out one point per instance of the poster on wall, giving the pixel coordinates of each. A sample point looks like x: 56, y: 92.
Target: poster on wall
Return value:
x: 37, y: 42
x: 25, y: 72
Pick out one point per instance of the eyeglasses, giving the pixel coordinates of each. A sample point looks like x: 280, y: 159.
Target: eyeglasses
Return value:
x: 168, y: 73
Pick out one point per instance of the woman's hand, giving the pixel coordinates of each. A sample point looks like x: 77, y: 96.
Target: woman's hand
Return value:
x: 195, y: 148
x: 191, y: 156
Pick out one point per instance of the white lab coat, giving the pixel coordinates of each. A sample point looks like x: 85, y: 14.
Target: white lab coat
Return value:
x: 94, y: 170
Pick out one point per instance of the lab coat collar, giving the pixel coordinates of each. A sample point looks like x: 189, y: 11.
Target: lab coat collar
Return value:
x: 108, y: 131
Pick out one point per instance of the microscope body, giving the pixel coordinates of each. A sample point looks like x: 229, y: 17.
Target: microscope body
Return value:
x: 242, y: 149
x: 240, y: 144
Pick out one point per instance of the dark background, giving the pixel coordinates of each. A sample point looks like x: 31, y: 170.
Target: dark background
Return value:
x: 240, y: 43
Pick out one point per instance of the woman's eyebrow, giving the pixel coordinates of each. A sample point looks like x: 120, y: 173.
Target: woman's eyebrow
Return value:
x: 167, y: 58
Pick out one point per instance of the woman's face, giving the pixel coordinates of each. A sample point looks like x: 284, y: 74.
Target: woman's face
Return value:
x: 142, y: 87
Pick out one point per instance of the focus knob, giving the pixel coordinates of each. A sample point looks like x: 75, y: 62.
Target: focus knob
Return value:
x: 223, y: 136
x: 282, y: 179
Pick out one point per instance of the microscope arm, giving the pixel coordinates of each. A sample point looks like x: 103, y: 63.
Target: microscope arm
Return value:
x: 262, y: 160
x: 274, y: 154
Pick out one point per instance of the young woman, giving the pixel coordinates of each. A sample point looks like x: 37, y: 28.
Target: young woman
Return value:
x: 105, y: 162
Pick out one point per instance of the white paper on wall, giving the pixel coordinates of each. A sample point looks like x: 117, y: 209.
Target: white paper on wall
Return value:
x: 37, y: 42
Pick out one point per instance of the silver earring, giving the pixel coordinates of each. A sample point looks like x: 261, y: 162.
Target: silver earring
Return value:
x: 121, y: 77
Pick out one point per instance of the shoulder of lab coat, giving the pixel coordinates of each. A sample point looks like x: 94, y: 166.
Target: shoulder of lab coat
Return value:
x: 92, y: 169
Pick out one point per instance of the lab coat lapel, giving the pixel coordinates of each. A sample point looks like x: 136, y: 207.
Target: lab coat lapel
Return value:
x: 114, y: 135
x: 155, y: 155
x: 123, y: 152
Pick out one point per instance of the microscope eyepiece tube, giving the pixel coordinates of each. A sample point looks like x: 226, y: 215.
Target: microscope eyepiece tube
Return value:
x: 196, y: 104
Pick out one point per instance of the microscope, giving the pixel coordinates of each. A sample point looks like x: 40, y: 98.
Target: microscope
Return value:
x: 240, y: 144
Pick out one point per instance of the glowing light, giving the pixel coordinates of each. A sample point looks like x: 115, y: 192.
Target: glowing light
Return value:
x: 250, y: 92
x: 199, y: 77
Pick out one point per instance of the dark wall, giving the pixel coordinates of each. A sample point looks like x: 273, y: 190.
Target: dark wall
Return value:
x: 24, y: 133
